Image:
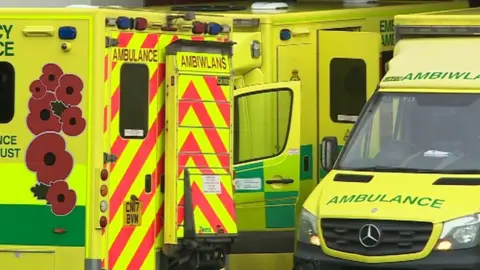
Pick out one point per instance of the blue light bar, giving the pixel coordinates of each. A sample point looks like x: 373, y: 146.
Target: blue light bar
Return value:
x: 214, y: 29
x: 123, y: 23
x: 67, y: 32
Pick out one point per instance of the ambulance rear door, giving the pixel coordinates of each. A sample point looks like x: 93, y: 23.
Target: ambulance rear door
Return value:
x: 134, y: 122
x: 198, y: 177
x: 348, y: 73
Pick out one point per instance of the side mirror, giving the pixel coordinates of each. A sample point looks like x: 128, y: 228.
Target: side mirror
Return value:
x: 329, y: 152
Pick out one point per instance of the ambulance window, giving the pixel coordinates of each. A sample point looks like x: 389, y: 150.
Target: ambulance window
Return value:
x: 7, y: 92
x: 262, y: 122
x: 348, y: 89
x: 134, y: 86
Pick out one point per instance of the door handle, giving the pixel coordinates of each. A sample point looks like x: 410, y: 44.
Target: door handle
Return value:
x: 280, y: 181
x: 148, y: 183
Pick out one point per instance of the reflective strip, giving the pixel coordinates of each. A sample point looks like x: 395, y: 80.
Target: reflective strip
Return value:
x: 204, y: 106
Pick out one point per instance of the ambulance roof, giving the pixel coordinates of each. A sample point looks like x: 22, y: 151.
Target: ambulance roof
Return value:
x: 466, y: 17
x: 312, y: 11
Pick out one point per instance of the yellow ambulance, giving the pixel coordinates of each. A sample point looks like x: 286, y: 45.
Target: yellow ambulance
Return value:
x: 403, y: 193
x: 333, y: 49
x: 117, y: 126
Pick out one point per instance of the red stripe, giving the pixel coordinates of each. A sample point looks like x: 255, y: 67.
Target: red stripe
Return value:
x: 137, y: 163
x: 148, y: 241
x: 120, y: 144
x: 105, y: 71
x: 228, y: 202
x: 174, y: 38
x: 105, y: 119
x: 124, y: 39
x: 218, y: 95
x: 204, y: 118
x: 191, y: 149
x: 207, y: 210
x: 197, y: 38
x: 150, y: 41
x: 126, y: 232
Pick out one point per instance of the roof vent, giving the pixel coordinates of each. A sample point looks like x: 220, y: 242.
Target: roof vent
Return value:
x: 81, y: 6
x: 269, y: 6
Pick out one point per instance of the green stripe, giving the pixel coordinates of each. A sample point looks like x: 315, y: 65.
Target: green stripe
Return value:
x: 35, y: 224
x: 253, y: 170
x: 280, y: 212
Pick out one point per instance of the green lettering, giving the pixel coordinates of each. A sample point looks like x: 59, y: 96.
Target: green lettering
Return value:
x: 361, y: 198
x: 388, y: 39
x: 467, y: 76
x: 397, y: 199
x: 477, y: 77
x: 456, y: 75
x: 347, y: 199
x: 333, y: 200
x: 437, y: 203
x: 410, y: 200
x: 421, y: 203
x: 382, y: 199
x: 370, y: 198
x: 435, y: 75
x: 421, y: 76
x: 7, y: 29
x: 409, y: 76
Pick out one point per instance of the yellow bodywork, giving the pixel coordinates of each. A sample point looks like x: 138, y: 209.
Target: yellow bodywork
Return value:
x: 427, y: 65
x: 67, y: 94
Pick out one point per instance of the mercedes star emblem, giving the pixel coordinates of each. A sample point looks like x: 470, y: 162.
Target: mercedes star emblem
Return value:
x: 369, y: 235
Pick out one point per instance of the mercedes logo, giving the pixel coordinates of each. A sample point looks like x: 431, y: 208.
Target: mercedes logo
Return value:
x: 369, y: 235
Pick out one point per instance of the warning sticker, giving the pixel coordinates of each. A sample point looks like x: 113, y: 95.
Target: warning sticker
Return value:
x: 251, y: 184
x: 212, y: 184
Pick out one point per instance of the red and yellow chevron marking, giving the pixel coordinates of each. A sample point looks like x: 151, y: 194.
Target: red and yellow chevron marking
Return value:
x: 205, y: 145
x: 133, y: 247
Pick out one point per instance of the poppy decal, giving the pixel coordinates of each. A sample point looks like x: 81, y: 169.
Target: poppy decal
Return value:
x: 61, y: 198
x: 55, y: 112
x: 46, y: 155
x: 69, y: 92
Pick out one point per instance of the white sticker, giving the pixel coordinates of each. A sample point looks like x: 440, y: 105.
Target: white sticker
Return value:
x: 293, y: 151
x: 133, y: 132
x: 248, y: 183
x: 211, y: 184
x: 343, y: 117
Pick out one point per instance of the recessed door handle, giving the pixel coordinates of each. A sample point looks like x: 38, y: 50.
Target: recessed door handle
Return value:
x: 280, y: 181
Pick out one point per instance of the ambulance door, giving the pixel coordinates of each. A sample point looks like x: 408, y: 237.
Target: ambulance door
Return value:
x: 348, y: 74
x: 266, y: 161
x: 134, y: 126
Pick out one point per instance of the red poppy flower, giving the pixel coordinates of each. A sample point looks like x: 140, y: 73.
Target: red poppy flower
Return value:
x: 73, y: 122
x: 38, y: 89
x: 70, y: 89
x: 51, y: 75
x: 46, y: 155
x: 41, y: 117
x: 61, y: 198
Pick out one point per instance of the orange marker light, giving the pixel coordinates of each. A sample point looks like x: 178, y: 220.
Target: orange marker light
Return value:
x: 104, y: 174
x: 103, y: 222
x: 103, y: 190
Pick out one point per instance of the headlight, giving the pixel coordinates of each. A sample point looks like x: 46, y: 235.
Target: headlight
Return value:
x: 460, y: 233
x: 307, y: 231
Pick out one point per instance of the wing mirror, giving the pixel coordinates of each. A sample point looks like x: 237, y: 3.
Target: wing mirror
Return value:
x: 329, y: 152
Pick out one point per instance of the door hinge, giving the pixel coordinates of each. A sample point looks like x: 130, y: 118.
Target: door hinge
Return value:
x: 111, y: 42
x: 108, y: 158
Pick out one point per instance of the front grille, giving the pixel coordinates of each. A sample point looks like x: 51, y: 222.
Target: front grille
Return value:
x: 397, y: 237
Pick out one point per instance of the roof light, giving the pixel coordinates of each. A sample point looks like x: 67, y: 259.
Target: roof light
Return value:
x: 124, y: 23
x: 141, y: 24
x: 199, y: 28
x: 285, y: 34
x: 214, y: 29
x: 67, y: 32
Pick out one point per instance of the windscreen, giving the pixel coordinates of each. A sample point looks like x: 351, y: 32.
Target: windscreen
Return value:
x: 416, y: 132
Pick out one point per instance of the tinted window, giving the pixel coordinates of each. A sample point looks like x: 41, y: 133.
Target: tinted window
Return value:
x: 348, y: 89
x: 386, y: 57
x: 134, y: 90
x: 261, y: 126
x: 7, y: 92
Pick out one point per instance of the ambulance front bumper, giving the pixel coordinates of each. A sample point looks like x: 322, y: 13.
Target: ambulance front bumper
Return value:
x: 308, y: 257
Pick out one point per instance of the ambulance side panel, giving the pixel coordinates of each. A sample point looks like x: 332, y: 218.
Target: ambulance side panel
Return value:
x: 44, y: 146
x: 199, y: 141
